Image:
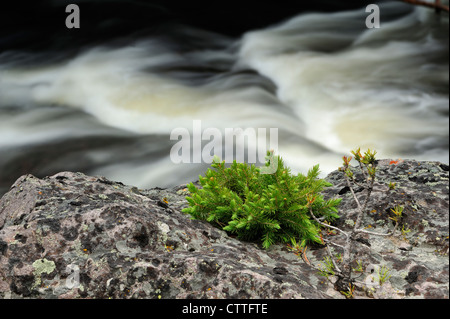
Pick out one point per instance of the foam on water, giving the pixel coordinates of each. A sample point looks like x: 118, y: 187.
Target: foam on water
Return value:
x: 359, y: 90
x: 324, y: 80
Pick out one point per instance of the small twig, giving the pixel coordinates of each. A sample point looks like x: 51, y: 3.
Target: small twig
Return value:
x: 332, y: 260
x: 326, y: 225
x: 353, y: 193
x: 358, y: 184
x: 363, y: 171
x: 348, y: 250
x: 333, y: 243
x: 344, y: 273
x: 363, y: 208
x: 375, y: 233
x: 372, y: 233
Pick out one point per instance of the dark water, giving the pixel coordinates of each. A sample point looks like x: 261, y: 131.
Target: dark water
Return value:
x: 103, y: 99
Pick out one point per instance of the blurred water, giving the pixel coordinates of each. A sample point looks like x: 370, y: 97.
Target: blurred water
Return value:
x: 324, y: 80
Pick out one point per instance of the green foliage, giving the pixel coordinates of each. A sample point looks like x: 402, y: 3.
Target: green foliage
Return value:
x: 383, y: 274
x: 367, y: 158
x: 405, y: 231
x: 349, y: 294
x: 269, y: 208
x: 397, y: 211
x: 328, y: 268
x: 359, y: 268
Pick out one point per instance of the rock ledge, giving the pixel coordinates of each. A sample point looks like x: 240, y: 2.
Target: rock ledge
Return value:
x: 76, y: 236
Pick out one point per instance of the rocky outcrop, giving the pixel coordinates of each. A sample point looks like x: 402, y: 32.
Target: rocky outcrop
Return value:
x: 76, y: 236
x: 417, y: 255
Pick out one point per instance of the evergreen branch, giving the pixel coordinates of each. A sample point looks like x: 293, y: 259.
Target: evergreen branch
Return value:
x: 266, y: 206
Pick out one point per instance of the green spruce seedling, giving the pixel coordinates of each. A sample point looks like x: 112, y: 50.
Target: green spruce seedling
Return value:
x: 269, y: 208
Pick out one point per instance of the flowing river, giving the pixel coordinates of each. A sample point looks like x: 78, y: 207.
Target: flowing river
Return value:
x: 323, y: 79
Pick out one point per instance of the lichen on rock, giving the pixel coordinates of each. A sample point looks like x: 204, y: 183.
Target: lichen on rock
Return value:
x: 42, y: 266
x: 131, y: 243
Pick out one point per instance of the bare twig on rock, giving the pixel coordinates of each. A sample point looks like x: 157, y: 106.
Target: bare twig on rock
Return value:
x: 367, y: 165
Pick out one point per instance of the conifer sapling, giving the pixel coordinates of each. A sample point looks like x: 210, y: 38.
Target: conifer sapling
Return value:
x: 269, y: 208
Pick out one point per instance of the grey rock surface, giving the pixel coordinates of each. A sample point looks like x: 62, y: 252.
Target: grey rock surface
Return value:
x: 417, y: 257
x: 77, y: 236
